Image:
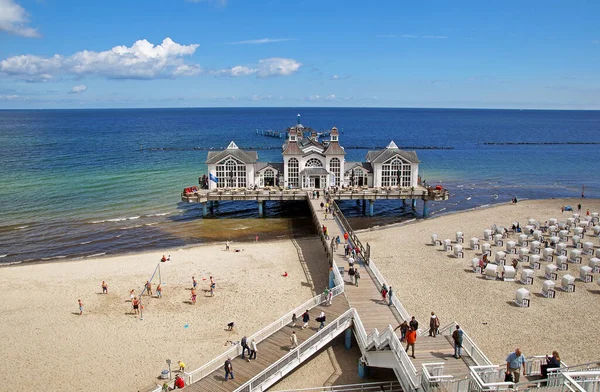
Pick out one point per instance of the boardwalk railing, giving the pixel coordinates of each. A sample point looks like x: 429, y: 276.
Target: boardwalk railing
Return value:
x: 468, y: 345
x: 283, y: 366
x: 433, y: 379
x: 384, y: 386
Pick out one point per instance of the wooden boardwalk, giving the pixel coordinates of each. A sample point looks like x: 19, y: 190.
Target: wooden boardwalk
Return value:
x: 366, y: 299
x: 268, y: 351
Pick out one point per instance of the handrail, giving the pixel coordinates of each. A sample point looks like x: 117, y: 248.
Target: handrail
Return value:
x: 266, y: 374
x: 369, y: 386
x: 468, y: 345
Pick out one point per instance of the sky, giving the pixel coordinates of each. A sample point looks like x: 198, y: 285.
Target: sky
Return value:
x: 278, y: 53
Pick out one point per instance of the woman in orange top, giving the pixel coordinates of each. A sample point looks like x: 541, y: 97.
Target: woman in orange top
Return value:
x: 194, y: 296
x: 411, y: 338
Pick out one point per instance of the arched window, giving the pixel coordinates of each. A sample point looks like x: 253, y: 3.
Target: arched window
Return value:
x: 231, y: 173
x: 313, y: 162
x: 292, y: 167
x: 396, y: 172
x: 269, y: 177
x: 334, y: 166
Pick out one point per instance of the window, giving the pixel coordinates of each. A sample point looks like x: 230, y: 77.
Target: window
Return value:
x: 396, y: 172
x: 269, y: 178
x: 231, y: 173
x: 334, y: 166
x: 293, y: 172
x: 358, y: 177
x: 313, y: 162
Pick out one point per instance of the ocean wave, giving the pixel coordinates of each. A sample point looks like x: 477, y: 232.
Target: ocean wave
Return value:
x: 115, y: 219
x: 151, y: 224
x: 1, y: 256
x: 158, y: 214
x: 97, y: 254
x: 21, y: 227
x: 11, y: 263
x: 53, y: 257
x: 130, y: 227
x: 84, y: 242
x: 241, y: 228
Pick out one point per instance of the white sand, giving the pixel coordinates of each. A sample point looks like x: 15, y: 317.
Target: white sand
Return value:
x: 426, y: 279
x: 54, y: 349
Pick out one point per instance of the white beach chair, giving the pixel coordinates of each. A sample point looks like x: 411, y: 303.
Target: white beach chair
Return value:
x: 522, y: 240
x: 490, y: 271
x: 597, y: 253
x: 562, y: 225
x: 561, y: 249
x: 548, y: 255
x: 570, y: 222
x: 475, y: 265
x: 487, y: 235
x: 532, y: 222
x: 538, y: 235
x: 460, y: 237
x: 447, y: 244
x: 524, y: 255
x: 548, y: 290
x: 534, y: 247
x: 595, y: 217
x: 596, y: 230
x: 583, y: 223
x: 509, y: 273
x: 552, y: 230
x: 585, y: 274
x: 500, y: 258
x: 474, y: 243
x: 576, y: 218
x: 576, y: 240
x: 498, y: 241
x: 578, y: 231
x: 458, y: 251
x: 563, y: 235
x: 552, y: 222
x: 486, y: 249
x: 594, y: 264
x: 522, y: 297
x: 567, y: 283
x: 550, y: 272
x: 561, y: 263
x: 527, y: 276
x: 575, y: 256
x: 511, y: 247
x: 534, y: 262
x: 554, y: 239
x: 434, y: 240
x: 588, y: 248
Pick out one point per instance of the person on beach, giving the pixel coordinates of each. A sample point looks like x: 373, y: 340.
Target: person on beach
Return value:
x: 434, y: 325
x: 321, y: 319
x: 293, y: 340
x: 514, y: 361
x: 356, y: 276
x: 227, y: 245
x: 149, y: 287
x: 384, y: 291
x: 212, y: 287
x: 230, y: 326
x: 562, y: 209
x: 159, y: 291
x: 457, y: 337
x: 579, y: 207
x: 181, y: 366
x: 325, y: 215
x: 294, y: 319
x: 411, y: 339
x: 169, y: 258
x: 305, y: 319
x: 80, y: 306
x: 131, y: 295
x: 135, y: 303
x: 194, y: 282
x: 228, y: 369
x: 104, y: 288
x: 587, y: 213
x: 163, y: 259
x: 414, y: 324
x: 193, y: 296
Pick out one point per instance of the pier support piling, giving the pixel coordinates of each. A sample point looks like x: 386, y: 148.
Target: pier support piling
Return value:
x: 261, y: 208
x: 403, y: 202
x: 348, y: 339
x: 425, y: 211
x: 362, y: 368
x: 204, y: 209
x: 371, y: 207
x: 331, y: 282
x: 364, y: 206
x: 414, y: 204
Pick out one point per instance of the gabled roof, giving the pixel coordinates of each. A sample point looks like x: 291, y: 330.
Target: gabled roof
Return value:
x: 291, y: 148
x: 234, y: 151
x: 307, y: 142
x: 314, y: 171
x: 390, y: 151
x: 348, y: 166
x: 334, y: 148
x: 277, y: 166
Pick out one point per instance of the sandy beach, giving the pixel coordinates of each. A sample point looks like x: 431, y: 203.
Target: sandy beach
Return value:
x: 426, y: 279
x: 108, y: 348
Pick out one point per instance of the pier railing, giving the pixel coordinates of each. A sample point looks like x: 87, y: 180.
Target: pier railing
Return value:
x: 468, y: 345
x: 351, y: 235
x: 384, y: 386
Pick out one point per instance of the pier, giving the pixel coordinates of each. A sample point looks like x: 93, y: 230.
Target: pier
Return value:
x: 368, y: 195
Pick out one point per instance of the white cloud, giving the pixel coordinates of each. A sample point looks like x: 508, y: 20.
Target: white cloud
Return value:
x: 13, y: 19
x: 331, y: 97
x: 256, y: 98
x: 11, y: 97
x: 409, y: 36
x: 260, y: 41
x: 274, y: 66
x: 314, y: 98
x: 78, y: 89
x: 385, y: 36
x: 217, y: 2
x: 335, y: 77
x: 142, y: 60
x: 435, y: 37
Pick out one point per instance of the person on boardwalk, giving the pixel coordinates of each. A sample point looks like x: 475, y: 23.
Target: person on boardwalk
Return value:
x: 305, y: 319
x: 294, y: 319
x: 104, y: 288
x: 149, y: 287
x: 194, y: 282
x: 351, y: 274
x: 414, y: 324
x: 434, y: 325
x: 181, y: 366
x: 390, y: 294
x: 228, y: 369
x: 179, y: 382
x: 193, y: 296
x: 244, y: 344
x: 403, y: 329
x: 159, y: 291
x: 514, y: 361
x: 384, y: 291
x: 322, y: 318
x: 457, y: 337
x: 551, y: 363
x: 346, y: 236
x: 253, y: 350
x: 411, y: 339
x: 356, y: 277
x: 329, y: 297
x: 80, y: 306
x: 136, y: 305
x: 293, y: 340
x: 350, y: 261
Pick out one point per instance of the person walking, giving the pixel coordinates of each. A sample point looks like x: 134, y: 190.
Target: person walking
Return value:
x: 149, y: 287
x: 321, y: 319
x: 434, y: 325
x: 293, y: 340
x: 253, y: 350
x: 227, y: 245
x: 414, y: 324
x: 305, y: 319
x: 294, y: 319
x: 228, y: 369
x: 384, y: 291
x: 136, y: 305
x: 159, y: 291
x: 80, y: 306
x: 390, y: 293
x: 131, y: 294
x: 194, y: 282
x: 244, y: 344
x: 411, y: 339
x: 351, y: 274
x: 514, y: 361
x: 193, y: 296
x: 356, y: 277
x: 457, y: 337
x: 104, y: 288
x: 212, y: 287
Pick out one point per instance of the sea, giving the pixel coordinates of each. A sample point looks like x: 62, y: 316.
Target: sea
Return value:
x: 89, y: 183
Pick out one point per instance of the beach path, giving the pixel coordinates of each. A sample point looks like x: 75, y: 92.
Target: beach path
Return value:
x: 268, y: 351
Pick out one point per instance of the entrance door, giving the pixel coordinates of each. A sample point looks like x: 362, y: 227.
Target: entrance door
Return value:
x: 315, y: 182
x: 360, y: 181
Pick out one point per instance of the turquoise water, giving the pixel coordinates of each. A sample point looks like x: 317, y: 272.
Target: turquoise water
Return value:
x: 76, y: 182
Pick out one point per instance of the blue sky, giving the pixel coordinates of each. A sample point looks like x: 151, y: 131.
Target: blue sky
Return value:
x: 203, y: 53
